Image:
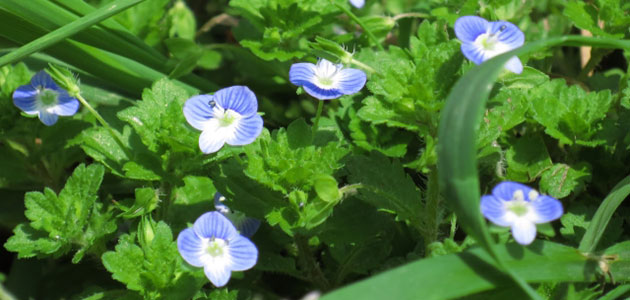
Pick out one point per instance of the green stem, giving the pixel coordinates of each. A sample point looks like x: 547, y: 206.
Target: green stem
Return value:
x: 104, y: 123
x: 410, y: 15
x: 313, y: 272
x: 362, y: 25
x: 363, y: 66
x: 432, y: 206
x: 320, y: 108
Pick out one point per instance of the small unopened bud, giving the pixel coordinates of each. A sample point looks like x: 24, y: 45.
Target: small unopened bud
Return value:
x: 65, y: 79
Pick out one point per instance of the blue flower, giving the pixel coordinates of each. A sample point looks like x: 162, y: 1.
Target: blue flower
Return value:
x: 521, y: 208
x: 214, y: 244
x: 482, y: 40
x: 357, y: 3
x: 246, y: 226
x: 326, y: 80
x: 44, y: 98
x: 229, y: 116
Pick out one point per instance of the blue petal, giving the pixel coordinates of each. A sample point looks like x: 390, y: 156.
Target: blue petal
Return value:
x: 67, y: 105
x: 197, y: 110
x: 473, y: 52
x: 468, y: 28
x: 322, y: 94
x: 248, y: 226
x: 43, y: 79
x: 214, y: 225
x: 357, y: 3
x: 243, y: 252
x: 25, y: 98
x: 237, y: 98
x: 190, y: 246
x: 218, y: 276
x: 302, y: 73
x: 514, y: 65
x: 508, y: 34
x: 494, y: 210
x: 246, y: 131
x: 351, y: 80
x: 547, y: 209
x: 524, y: 231
x: 505, y: 190
x: 47, y: 118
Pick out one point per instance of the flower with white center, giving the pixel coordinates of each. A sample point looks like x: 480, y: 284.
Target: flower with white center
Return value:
x: 214, y: 244
x: 245, y: 226
x: 326, y: 80
x: 229, y: 116
x: 44, y: 98
x: 482, y: 40
x: 357, y: 3
x: 520, y: 207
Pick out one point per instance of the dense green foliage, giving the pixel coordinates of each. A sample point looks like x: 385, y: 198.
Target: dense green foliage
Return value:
x: 380, y: 199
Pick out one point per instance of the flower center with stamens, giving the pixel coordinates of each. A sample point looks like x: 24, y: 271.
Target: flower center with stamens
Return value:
x: 488, y: 41
x: 518, y: 205
x: 216, y: 247
x: 47, y: 97
x: 227, y: 117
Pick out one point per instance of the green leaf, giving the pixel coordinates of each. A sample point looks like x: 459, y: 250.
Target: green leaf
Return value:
x: 72, y: 220
x: 326, y: 188
x: 539, y: 262
x: 604, y: 214
x: 385, y: 185
x: 561, y: 179
x: 527, y: 158
x: 183, y: 22
x: 569, y: 114
x: 585, y: 16
x: 153, y: 268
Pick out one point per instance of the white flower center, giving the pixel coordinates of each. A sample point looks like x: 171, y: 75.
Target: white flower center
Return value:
x: 518, y: 205
x: 227, y: 118
x: 490, y: 45
x: 326, y: 74
x: 216, y: 247
x: 47, y: 97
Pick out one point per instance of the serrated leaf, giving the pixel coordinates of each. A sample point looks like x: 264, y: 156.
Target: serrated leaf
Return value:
x: 527, y: 158
x: 71, y: 220
x: 561, y: 179
x: 570, y: 114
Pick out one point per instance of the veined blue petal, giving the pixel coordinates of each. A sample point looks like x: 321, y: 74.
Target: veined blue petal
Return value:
x: 473, y: 53
x: 302, y: 73
x: 25, y: 98
x: 321, y: 94
x: 237, y: 98
x: 198, y: 111
x: 546, y: 209
x: 246, y: 130
x: 190, y: 246
x: 351, y: 80
x: 524, y: 231
x: 243, y: 252
x: 217, y: 275
x: 47, y: 118
x: 494, y: 210
x: 468, y: 28
x: 514, y: 65
x: 508, y: 33
x: 357, y: 3
x: 43, y: 79
x: 214, y: 225
x: 67, y: 105
x: 505, y: 190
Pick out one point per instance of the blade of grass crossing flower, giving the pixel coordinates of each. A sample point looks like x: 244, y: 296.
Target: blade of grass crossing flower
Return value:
x: 67, y: 30
x: 457, y: 151
x: 603, y: 215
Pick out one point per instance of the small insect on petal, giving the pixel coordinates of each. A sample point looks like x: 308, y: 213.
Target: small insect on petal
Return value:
x: 483, y: 40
